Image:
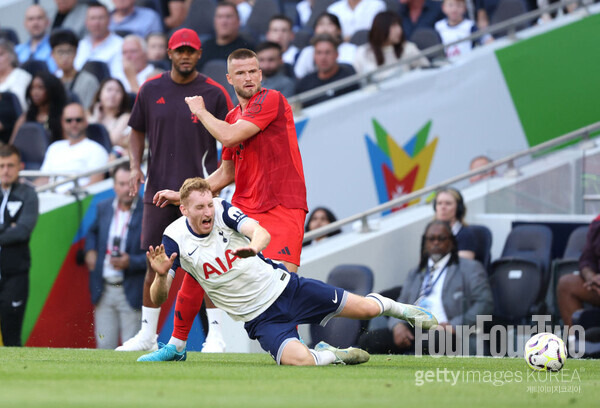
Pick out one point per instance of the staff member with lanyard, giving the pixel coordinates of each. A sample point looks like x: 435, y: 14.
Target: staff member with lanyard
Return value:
x: 454, y: 289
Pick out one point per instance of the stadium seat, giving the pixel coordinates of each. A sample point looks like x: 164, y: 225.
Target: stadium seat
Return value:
x: 258, y: 21
x: 200, y: 18
x: 97, y: 68
x: 520, y: 278
x: 302, y: 38
x: 14, y: 101
x: 34, y: 66
x: 216, y: 69
x: 98, y: 133
x: 506, y: 10
x: 32, y: 140
x: 425, y: 37
x: 483, y: 236
x: 360, y: 37
x: 343, y: 332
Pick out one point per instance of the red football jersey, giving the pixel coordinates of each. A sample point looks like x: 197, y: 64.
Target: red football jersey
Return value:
x: 268, y: 166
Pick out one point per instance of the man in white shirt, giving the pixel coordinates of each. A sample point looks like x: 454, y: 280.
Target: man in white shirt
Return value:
x: 100, y: 44
x: 355, y: 15
x: 135, y: 63
x: 76, y: 153
x: 220, y: 246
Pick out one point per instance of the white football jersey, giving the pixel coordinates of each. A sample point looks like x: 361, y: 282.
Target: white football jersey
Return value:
x: 450, y: 34
x: 242, y: 287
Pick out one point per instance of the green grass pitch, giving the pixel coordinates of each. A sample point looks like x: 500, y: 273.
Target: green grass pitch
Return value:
x: 32, y: 377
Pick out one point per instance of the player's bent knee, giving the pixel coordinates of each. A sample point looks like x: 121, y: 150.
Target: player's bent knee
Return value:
x: 296, y: 354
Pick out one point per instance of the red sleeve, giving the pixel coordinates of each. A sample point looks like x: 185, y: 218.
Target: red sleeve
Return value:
x: 262, y: 109
x: 227, y: 154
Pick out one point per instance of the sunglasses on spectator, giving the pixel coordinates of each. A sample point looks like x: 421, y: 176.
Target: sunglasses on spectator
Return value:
x: 69, y: 120
x: 439, y: 238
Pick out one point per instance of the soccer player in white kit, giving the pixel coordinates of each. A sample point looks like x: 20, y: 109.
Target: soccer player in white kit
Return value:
x: 218, y: 245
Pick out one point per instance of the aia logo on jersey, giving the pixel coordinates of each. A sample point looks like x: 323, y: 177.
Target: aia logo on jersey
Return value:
x: 209, y: 268
x: 194, y: 118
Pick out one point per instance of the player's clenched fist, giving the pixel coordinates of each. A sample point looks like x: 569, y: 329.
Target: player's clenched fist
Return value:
x: 195, y: 103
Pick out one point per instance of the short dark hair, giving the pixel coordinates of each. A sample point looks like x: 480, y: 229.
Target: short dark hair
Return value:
x: 94, y: 3
x: 123, y: 166
x: 267, y: 45
x: 229, y: 4
x: 332, y: 17
x: 282, y: 17
x: 7, y: 150
x: 63, y: 36
x: 242, y: 54
x: 324, y: 38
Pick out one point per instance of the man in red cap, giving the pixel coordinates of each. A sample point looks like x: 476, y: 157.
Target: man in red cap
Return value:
x: 179, y: 147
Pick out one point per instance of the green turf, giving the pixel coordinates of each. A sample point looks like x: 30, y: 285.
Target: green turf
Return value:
x: 31, y: 377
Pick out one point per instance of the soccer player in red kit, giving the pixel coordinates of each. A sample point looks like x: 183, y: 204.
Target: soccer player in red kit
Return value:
x: 261, y: 155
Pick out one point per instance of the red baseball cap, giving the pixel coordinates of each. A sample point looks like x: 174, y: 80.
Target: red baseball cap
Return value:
x: 184, y: 37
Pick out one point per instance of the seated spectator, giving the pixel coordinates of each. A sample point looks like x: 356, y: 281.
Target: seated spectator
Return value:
x: 244, y: 9
x: 174, y: 12
x: 271, y: 65
x: 449, y: 206
x: 328, y: 70
x: 100, y: 44
x: 82, y: 83
x: 70, y: 14
x: 355, y: 15
x: 227, y: 35
x: 304, y: 10
x: 156, y: 50
x: 281, y: 32
x: 12, y: 78
x: 455, y: 26
x: 46, y: 98
x: 75, y: 153
x: 136, y: 69
x: 575, y: 290
x: 38, y: 46
x: 111, y: 108
x: 318, y: 218
x: 8, y: 116
x: 327, y: 23
x: 454, y: 289
x: 387, y: 45
x: 126, y: 16
x: 117, y: 264
x: 419, y: 13
x: 477, y: 162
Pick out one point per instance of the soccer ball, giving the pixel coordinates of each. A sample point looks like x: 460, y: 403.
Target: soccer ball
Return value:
x: 545, y: 352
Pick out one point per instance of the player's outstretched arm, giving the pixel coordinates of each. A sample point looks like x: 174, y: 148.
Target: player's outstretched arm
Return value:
x: 228, y: 134
x: 160, y: 264
x: 259, y: 239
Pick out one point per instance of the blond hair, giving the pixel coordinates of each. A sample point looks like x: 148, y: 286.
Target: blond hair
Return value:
x: 193, y: 184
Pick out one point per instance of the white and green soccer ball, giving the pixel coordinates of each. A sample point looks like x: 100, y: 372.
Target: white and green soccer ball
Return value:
x: 545, y: 352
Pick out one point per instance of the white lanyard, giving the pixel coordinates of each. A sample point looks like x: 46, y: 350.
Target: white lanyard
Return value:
x: 3, y: 205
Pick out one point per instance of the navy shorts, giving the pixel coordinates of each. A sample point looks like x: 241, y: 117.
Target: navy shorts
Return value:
x: 303, y: 301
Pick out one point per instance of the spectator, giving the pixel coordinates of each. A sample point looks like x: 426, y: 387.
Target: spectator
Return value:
x: 454, y: 289
x: 387, y: 45
x: 419, y: 13
x: 574, y: 290
x: 100, y: 44
x: 81, y: 83
x: 70, y: 14
x: 12, y: 78
x: 156, y: 51
x: 111, y: 108
x: 244, y: 9
x: 174, y: 12
x: 281, y: 32
x: 319, y: 217
x: 128, y: 17
x: 449, y: 206
x: 271, y: 65
x: 76, y: 153
x: 46, y: 98
x: 8, y: 116
x: 328, y: 70
x: 304, y: 10
x: 480, y: 161
x: 327, y: 23
x: 356, y: 15
x: 17, y: 220
x: 455, y: 26
x: 136, y: 69
x: 117, y: 264
x: 38, y: 46
x: 227, y: 35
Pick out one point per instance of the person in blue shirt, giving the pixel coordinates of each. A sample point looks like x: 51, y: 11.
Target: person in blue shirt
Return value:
x: 38, y: 46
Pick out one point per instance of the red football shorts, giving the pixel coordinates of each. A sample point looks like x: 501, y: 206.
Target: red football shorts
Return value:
x: 286, y: 226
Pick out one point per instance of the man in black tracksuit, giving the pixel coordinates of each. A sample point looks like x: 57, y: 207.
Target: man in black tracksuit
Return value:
x: 18, y: 215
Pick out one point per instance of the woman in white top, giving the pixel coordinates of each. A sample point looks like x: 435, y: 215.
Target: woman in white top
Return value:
x: 111, y: 108
x: 387, y: 45
x: 12, y: 79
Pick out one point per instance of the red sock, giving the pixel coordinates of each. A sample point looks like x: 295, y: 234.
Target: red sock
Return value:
x: 187, y: 306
